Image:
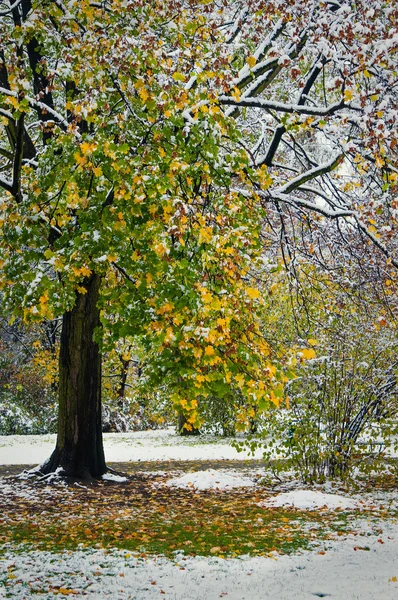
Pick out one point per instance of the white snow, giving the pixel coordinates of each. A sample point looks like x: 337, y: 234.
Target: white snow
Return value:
x: 211, y: 479
x: 152, y: 445
x: 310, y: 500
x: 352, y: 569
x: 113, y: 477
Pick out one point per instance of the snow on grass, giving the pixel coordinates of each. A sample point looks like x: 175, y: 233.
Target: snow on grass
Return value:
x: 360, y: 567
x: 311, y: 500
x: 114, y: 478
x: 153, y: 445
x: 211, y: 479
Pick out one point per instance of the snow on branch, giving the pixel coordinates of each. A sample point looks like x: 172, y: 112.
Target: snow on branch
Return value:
x: 37, y: 104
x: 318, y: 207
x: 311, y: 174
x: 3, y: 13
x: 287, y: 108
x: 6, y: 184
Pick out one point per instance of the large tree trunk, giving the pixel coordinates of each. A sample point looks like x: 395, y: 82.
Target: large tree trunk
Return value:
x: 79, y: 451
x: 182, y: 430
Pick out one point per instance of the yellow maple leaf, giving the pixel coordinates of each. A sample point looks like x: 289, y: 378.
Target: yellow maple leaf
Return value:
x: 81, y: 160
x: 253, y: 293
x: 379, y: 162
x: 85, y: 271
x: 348, y: 95
x: 251, y: 61
x: 308, y: 353
x: 209, y: 351
x: 236, y: 94
x: 143, y: 93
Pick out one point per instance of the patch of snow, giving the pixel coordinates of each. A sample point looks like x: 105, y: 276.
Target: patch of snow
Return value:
x: 309, y: 500
x: 113, y: 477
x: 211, y: 480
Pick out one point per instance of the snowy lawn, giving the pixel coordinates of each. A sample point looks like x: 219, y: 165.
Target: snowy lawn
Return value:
x: 162, y: 444
x: 207, y: 533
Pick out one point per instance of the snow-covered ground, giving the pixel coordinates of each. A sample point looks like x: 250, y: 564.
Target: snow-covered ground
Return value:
x: 162, y: 444
x: 358, y: 568
x: 211, y: 479
x: 151, y: 445
x: 363, y: 566
x: 310, y: 500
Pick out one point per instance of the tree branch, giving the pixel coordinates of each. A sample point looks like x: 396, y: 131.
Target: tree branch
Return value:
x: 295, y: 183
x: 18, y: 155
x: 9, y: 10
x: 315, y: 111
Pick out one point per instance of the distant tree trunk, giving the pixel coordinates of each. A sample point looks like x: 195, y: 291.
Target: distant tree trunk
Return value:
x: 121, y: 391
x: 79, y: 450
x: 182, y: 430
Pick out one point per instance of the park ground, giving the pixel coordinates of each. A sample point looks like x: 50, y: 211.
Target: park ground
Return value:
x: 192, y: 519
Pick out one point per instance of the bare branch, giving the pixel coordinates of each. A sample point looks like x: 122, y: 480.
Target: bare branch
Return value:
x: 18, y: 155
x: 9, y: 10
x: 295, y: 183
x: 315, y: 111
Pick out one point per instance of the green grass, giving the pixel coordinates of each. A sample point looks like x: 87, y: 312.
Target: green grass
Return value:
x: 159, y: 520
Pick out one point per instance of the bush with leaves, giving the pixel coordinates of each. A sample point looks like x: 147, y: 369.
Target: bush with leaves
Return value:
x: 27, y: 395
x: 343, y: 403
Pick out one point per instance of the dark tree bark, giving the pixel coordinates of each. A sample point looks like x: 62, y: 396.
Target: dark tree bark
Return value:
x: 79, y: 451
x: 183, y: 430
x: 124, y: 371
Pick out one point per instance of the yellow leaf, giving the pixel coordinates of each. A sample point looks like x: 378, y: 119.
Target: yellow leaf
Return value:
x: 143, y: 93
x: 81, y: 160
x: 253, y: 293
x: 312, y: 342
x: 87, y: 148
x: 379, y: 162
x: 179, y: 77
x: 348, y: 95
x: 236, y: 94
x: 308, y: 353
x: 240, y: 379
x: 251, y: 61
x: 209, y: 351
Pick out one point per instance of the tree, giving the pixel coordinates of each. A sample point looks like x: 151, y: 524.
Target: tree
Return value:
x: 147, y: 145
x: 109, y: 185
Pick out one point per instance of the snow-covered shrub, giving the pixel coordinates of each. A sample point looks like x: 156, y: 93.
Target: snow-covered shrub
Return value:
x: 343, y: 405
x: 27, y: 393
